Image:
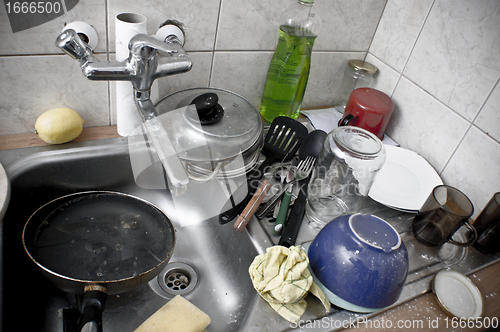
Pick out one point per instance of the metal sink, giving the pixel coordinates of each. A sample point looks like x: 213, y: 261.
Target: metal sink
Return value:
x: 209, y: 266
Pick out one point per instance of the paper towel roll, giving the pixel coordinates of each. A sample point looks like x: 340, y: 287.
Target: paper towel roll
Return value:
x: 127, y: 25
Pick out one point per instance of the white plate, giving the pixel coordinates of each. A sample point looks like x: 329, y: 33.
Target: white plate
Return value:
x: 405, y: 181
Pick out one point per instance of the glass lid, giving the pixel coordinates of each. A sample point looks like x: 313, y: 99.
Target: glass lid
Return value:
x: 209, y: 124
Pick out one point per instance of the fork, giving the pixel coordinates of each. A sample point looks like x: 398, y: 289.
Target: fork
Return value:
x: 301, y: 172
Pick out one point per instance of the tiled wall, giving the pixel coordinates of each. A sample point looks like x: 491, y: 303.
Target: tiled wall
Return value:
x: 440, y: 62
x: 438, y: 59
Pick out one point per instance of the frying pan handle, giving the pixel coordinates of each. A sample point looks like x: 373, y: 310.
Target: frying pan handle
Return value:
x: 91, y: 308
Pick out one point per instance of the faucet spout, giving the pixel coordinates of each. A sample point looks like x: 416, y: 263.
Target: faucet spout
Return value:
x: 167, y: 154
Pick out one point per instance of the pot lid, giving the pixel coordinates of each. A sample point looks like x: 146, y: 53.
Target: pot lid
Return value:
x: 209, y: 123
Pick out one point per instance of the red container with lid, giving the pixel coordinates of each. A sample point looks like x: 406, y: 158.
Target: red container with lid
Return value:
x: 369, y: 109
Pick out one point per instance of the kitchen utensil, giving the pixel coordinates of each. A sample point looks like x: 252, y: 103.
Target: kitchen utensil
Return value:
x: 405, y: 181
x: 98, y: 244
x: 369, y: 109
x: 211, y: 129
x: 487, y: 225
x: 272, y: 202
x: 287, y: 174
x: 311, y: 147
x: 282, y: 141
x: 346, y: 168
x: 361, y: 259
x: 443, y: 213
x: 457, y: 295
x: 299, y: 173
x: 252, y: 206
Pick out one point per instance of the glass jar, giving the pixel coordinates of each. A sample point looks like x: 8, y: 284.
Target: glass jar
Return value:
x: 358, y: 74
x: 345, y: 171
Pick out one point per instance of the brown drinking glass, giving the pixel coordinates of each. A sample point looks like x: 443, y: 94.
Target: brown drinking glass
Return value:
x: 487, y: 225
x: 443, y: 213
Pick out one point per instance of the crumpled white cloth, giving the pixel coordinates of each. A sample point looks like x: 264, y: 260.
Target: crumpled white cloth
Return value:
x: 282, y: 278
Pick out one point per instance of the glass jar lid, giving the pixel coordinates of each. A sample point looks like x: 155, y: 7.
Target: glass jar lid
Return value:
x: 362, y: 66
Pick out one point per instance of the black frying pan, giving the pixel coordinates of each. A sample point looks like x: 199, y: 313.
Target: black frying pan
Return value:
x: 98, y: 244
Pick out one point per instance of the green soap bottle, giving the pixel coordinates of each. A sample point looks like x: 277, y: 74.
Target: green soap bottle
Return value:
x: 288, y: 72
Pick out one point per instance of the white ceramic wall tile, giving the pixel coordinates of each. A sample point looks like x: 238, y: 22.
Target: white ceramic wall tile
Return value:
x: 398, y: 30
x: 474, y: 168
x: 40, y: 39
x: 241, y: 72
x: 457, y: 56
x: 198, y: 16
x: 386, y: 77
x: 423, y: 124
x: 325, y: 79
x: 245, y: 73
x: 36, y: 84
x: 489, y: 117
x: 249, y: 25
x: 348, y: 25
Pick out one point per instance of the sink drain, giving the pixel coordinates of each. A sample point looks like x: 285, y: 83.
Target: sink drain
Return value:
x: 175, y: 279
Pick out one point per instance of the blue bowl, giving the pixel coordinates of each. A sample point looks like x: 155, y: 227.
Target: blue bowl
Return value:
x: 361, y: 259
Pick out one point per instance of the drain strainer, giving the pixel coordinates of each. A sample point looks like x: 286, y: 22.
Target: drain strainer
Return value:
x: 175, y: 279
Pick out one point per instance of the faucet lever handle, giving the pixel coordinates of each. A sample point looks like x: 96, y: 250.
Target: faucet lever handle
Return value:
x: 72, y: 44
x: 142, y: 44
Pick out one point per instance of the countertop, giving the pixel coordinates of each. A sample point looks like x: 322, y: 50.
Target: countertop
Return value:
x: 420, y: 314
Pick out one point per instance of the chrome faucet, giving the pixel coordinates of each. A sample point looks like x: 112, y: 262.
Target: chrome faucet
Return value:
x: 149, y: 58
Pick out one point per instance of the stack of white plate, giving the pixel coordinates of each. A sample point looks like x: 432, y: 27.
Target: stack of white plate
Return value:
x: 405, y: 181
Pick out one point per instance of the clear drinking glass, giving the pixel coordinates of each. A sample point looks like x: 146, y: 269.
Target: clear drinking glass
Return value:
x: 346, y: 168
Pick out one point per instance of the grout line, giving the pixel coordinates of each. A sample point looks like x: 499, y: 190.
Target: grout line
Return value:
x: 376, y: 28
x: 472, y: 124
x: 108, y: 56
x: 455, y: 149
x: 418, y: 36
x: 210, y: 73
x: 486, y: 99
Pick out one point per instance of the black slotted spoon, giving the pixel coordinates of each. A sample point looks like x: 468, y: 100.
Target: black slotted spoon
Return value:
x: 282, y: 141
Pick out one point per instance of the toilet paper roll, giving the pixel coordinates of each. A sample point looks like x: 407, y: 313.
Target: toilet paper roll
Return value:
x: 127, y: 25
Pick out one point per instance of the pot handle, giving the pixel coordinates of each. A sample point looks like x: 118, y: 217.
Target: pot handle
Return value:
x: 206, y: 178
x: 91, y: 308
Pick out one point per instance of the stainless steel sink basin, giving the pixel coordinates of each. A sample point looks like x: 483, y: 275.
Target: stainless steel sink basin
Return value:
x: 210, y: 263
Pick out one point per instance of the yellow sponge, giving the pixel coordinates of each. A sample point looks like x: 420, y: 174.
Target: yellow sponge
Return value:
x: 178, y: 315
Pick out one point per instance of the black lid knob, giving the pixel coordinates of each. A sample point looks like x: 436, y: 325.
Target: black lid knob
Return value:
x: 208, y: 108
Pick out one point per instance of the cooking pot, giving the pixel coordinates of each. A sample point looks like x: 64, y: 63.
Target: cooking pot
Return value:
x: 98, y: 244
x: 212, y: 129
